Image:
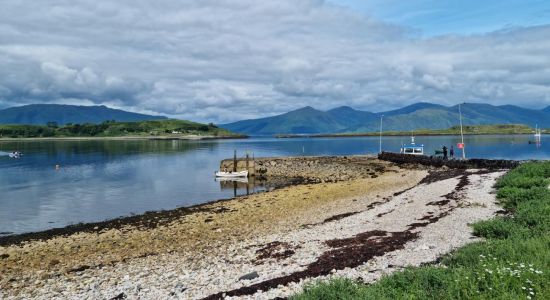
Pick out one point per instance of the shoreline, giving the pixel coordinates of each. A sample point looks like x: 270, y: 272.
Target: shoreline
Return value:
x: 145, y: 220
x: 126, y: 138
x: 152, y: 219
x: 386, y: 134
x: 269, y: 237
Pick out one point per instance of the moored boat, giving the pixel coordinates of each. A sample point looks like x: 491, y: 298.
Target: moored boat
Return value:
x: 14, y: 154
x: 412, y: 148
x: 232, y: 174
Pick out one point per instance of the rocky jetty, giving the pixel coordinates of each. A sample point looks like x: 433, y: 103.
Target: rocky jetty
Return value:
x: 311, y: 169
x: 473, y: 163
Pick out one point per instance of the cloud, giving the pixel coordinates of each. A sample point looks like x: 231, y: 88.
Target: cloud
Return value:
x: 227, y: 60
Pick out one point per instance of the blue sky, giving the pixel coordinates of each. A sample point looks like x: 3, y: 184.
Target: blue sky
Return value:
x: 436, y: 17
x: 222, y: 61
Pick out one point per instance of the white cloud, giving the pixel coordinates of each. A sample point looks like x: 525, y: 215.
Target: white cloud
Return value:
x: 220, y: 61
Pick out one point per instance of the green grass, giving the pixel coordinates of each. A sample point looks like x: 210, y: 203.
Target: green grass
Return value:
x: 455, y: 130
x: 112, y: 128
x: 512, y: 263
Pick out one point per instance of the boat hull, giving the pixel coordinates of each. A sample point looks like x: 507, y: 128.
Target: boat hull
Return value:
x: 232, y: 174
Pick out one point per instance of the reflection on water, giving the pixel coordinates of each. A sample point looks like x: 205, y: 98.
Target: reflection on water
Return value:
x: 98, y: 180
x: 243, y: 186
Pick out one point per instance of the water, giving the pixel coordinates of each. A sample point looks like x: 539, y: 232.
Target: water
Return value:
x: 99, y: 180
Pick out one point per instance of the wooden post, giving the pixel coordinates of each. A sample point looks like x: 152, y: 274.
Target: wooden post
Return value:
x: 247, y: 168
x: 235, y: 161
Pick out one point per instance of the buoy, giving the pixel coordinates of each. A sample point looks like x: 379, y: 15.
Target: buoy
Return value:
x: 57, y: 167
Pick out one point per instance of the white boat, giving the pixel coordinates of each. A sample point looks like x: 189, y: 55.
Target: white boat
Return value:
x: 537, y: 135
x: 413, y: 148
x: 232, y: 174
x: 14, y: 154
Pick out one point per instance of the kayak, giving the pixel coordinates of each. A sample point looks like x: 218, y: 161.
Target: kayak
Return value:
x: 232, y: 174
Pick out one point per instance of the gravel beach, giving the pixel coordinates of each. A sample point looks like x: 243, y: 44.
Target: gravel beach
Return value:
x: 359, y: 222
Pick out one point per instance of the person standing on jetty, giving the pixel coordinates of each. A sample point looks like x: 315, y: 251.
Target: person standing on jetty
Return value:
x: 444, y: 152
x: 452, y: 152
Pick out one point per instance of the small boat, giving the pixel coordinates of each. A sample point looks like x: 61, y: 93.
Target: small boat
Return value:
x: 413, y: 148
x: 232, y: 174
x: 14, y: 154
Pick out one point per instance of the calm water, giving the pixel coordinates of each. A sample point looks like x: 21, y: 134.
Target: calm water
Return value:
x: 100, y: 180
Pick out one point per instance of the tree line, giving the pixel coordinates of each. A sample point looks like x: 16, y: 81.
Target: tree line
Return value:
x: 107, y: 128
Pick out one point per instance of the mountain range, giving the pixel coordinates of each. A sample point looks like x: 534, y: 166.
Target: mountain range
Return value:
x: 40, y: 114
x: 420, y: 115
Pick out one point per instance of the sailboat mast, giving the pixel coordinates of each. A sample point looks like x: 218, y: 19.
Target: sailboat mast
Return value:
x: 461, y: 133
x: 380, y: 149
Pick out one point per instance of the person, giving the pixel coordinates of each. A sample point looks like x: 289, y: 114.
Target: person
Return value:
x: 452, y: 152
x: 444, y: 152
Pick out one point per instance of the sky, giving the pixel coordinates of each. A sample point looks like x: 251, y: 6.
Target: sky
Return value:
x: 221, y: 61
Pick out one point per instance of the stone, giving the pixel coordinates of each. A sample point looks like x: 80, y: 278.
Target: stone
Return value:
x: 54, y: 262
x: 180, y: 287
x: 249, y: 276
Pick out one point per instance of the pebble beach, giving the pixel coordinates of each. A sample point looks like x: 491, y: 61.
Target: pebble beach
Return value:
x: 356, y: 217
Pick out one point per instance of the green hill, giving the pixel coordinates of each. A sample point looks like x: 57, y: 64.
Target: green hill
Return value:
x: 455, y: 130
x: 413, y: 117
x: 304, y: 120
x: 41, y: 114
x: 161, y: 128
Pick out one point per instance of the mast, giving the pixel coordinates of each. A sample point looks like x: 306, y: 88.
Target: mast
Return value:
x: 537, y: 134
x: 461, y: 133
x: 380, y: 149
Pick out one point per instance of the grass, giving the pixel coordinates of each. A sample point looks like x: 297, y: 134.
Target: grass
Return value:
x: 455, y: 130
x: 513, y: 262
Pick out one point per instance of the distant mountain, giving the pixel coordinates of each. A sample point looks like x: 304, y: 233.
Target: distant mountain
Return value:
x: 416, y: 116
x: 412, y: 108
x: 351, y: 116
x: 39, y: 114
x: 304, y: 120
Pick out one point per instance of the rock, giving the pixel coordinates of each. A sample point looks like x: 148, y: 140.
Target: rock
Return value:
x: 54, y: 262
x: 180, y: 287
x: 119, y: 297
x: 249, y: 276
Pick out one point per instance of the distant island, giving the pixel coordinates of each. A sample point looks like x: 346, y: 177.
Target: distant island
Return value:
x: 162, y: 129
x: 344, y: 119
x: 455, y: 130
